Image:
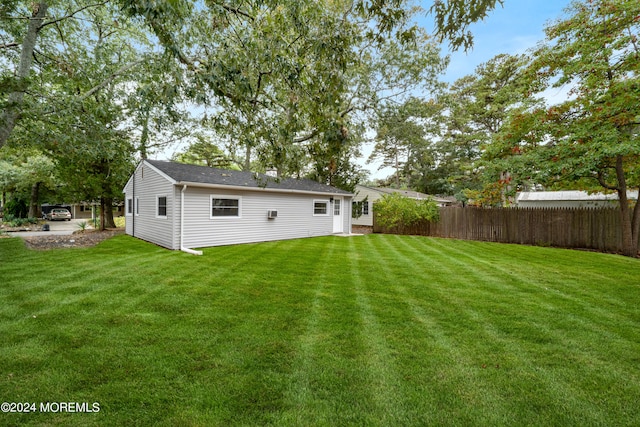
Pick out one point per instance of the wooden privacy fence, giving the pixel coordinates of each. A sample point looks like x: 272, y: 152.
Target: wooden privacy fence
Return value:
x: 586, y: 228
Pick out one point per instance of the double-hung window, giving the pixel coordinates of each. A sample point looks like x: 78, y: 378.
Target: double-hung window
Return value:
x: 321, y: 208
x: 226, y: 206
x: 161, y: 203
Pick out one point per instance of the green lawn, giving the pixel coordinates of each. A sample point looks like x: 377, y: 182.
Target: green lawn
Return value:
x: 368, y: 330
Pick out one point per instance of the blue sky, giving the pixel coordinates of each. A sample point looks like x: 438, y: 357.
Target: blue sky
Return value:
x: 513, y: 28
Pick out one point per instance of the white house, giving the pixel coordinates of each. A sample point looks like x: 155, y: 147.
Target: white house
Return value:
x: 181, y: 206
x: 569, y: 199
x: 366, y: 196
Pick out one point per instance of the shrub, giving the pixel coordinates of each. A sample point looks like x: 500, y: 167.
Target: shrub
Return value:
x: 394, y: 210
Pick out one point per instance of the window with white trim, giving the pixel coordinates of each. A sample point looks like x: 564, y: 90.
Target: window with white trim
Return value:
x: 161, y: 207
x: 321, y: 208
x: 226, y: 206
x: 365, y: 207
x: 137, y: 205
x: 129, y: 206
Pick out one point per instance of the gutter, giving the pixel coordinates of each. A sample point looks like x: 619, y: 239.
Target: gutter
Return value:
x: 268, y: 190
x: 182, y: 248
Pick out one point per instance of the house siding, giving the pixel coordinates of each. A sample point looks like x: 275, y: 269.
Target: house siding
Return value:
x: 361, y: 194
x: 295, y: 218
x: 148, y: 186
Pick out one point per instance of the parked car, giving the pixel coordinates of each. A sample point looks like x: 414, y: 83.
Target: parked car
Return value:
x: 59, y: 214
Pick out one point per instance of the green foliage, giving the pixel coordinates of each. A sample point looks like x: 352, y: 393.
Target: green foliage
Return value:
x: 16, y: 207
x: 205, y: 153
x: 453, y: 17
x: 394, y: 210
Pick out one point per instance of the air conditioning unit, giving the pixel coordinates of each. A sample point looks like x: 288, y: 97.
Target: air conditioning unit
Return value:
x: 272, y: 214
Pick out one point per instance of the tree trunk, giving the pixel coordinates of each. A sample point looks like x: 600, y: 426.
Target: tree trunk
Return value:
x: 14, y: 101
x: 629, y: 238
x: 247, y: 159
x: 33, y: 205
x: 108, y: 214
x: 102, y: 213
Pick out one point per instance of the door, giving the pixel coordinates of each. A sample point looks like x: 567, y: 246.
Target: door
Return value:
x: 337, y: 215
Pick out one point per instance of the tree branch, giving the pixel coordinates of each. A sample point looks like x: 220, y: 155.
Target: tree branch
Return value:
x: 237, y: 11
x: 71, y: 15
x: 8, y: 45
x: 106, y: 81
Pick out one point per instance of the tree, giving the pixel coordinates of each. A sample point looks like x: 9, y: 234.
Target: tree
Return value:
x: 205, y: 153
x: 591, y: 140
x: 478, y: 105
x: 76, y: 104
x: 399, y: 133
x: 24, y: 174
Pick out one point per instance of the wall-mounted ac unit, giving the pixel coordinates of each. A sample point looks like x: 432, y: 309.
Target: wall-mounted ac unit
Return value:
x: 272, y: 214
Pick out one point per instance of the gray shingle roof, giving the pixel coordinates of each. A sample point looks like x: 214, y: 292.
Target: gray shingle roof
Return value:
x: 183, y: 173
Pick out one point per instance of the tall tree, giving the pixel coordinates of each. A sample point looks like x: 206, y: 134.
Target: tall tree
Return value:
x: 478, y: 106
x: 591, y: 140
x: 399, y: 134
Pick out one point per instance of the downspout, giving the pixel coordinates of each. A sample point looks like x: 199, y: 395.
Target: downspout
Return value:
x: 133, y: 202
x: 182, y: 248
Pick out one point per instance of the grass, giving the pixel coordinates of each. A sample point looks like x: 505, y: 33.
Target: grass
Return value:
x: 371, y: 330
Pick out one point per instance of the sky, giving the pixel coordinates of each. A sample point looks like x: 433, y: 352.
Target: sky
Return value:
x: 513, y: 28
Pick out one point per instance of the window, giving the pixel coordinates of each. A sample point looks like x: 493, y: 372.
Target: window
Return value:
x: 336, y: 207
x: 129, y: 206
x: 162, y: 207
x: 360, y: 208
x: 137, y: 206
x: 225, y: 206
x: 321, y: 207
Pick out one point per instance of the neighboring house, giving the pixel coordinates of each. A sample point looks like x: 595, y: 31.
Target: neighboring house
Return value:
x: 83, y: 210
x: 569, y: 199
x: 373, y: 194
x: 182, y: 206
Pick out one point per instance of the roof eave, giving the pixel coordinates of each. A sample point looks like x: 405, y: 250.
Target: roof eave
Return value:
x: 265, y: 189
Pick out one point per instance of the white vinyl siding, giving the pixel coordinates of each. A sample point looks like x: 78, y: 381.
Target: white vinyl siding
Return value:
x: 146, y: 225
x: 372, y: 196
x: 295, y: 218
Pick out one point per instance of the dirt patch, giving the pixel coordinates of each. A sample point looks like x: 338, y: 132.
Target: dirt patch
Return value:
x: 361, y: 229
x: 76, y: 240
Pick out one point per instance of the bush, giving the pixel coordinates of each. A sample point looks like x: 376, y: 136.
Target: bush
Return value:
x: 394, y: 210
x: 19, y: 222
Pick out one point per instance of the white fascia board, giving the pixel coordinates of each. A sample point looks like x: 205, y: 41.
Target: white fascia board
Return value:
x: 268, y: 190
